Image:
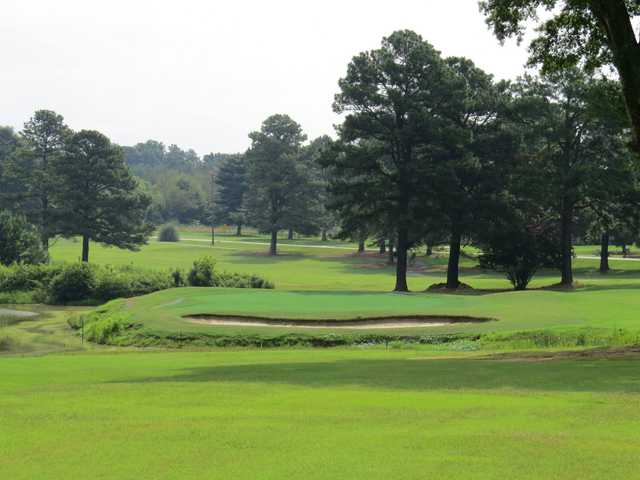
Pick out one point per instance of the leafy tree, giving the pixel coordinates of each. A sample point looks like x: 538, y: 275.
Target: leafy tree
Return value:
x: 319, y: 178
x: 42, y: 138
x: 573, y: 150
x: 181, y: 197
x: 591, y: 33
x: 8, y: 185
x: 232, y: 184
x: 468, y: 169
x: 276, y: 181
x: 394, y: 99
x: 98, y: 197
x: 19, y: 240
x: 518, y: 243
x: 148, y: 154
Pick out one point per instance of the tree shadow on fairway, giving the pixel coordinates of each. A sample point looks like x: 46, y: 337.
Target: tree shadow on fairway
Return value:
x: 621, y: 376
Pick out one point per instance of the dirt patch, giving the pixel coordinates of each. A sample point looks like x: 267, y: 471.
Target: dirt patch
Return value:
x: 354, y: 324
x: 590, y: 354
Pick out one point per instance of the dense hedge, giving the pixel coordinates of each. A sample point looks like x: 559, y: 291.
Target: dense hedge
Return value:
x: 82, y: 283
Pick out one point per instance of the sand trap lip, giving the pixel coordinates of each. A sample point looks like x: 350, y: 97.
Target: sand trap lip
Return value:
x: 354, y: 324
x: 5, y: 312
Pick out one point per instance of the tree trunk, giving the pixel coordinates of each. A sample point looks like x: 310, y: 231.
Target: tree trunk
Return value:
x: 390, y: 253
x: 290, y: 234
x: 566, y: 220
x: 239, y: 230
x: 324, y: 235
x: 604, y: 253
x: 453, y: 268
x: 429, y: 250
x: 273, y: 247
x: 616, y: 24
x: 85, y: 248
x: 383, y: 247
x: 44, y: 226
x: 401, y: 265
x: 213, y: 235
x: 361, y: 246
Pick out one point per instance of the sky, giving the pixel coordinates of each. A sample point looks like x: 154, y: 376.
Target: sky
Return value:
x: 204, y: 73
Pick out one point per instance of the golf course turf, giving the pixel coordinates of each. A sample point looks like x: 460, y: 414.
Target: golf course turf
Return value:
x: 317, y: 414
x: 476, y: 408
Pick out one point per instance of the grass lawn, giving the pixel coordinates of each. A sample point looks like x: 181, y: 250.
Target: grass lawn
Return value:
x: 73, y: 410
x: 316, y: 414
x: 600, y: 309
x: 332, y: 266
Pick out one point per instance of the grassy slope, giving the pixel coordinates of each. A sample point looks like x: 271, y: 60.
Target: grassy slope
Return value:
x: 304, y: 275
x: 316, y: 414
x: 605, y: 309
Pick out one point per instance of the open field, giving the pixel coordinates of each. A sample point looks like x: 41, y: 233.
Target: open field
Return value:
x: 317, y: 414
x: 300, y: 266
x: 328, y: 281
x: 73, y: 410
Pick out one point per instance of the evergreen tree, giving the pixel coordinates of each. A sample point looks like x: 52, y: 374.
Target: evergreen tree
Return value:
x: 19, y: 240
x: 42, y: 143
x: 232, y: 185
x: 277, y: 182
x: 97, y: 196
x: 395, y: 100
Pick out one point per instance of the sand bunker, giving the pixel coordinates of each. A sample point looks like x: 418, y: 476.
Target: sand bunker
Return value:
x: 4, y: 312
x: 355, y: 324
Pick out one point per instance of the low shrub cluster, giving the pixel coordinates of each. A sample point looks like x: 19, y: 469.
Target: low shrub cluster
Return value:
x: 168, y: 233
x: 83, y: 283
x: 204, y: 274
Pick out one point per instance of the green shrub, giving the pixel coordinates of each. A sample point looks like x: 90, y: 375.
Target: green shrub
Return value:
x: 177, y: 276
x: 19, y: 241
x: 76, y: 282
x: 89, y: 283
x: 104, y: 324
x: 27, y: 277
x: 237, y: 280
x: 202, y: 274
x: 168, y: 233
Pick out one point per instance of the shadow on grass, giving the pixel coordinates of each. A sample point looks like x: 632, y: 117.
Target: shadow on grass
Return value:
x: 622, y: 376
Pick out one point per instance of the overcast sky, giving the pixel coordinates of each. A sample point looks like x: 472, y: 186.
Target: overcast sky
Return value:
x: 204, y: 73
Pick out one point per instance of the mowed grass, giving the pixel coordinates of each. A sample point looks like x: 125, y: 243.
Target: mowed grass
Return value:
x: 357, y: 413
x: 604, y: 309
x: 316, y: 414
x: 315, y: 280
x: 309, y: 264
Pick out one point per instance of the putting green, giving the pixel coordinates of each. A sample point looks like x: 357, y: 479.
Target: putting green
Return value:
x: 163, y: 313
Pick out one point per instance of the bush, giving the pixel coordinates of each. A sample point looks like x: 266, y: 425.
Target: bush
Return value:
x: 19, y: 241
x: 202, y: 274
x: 518, y: 246
x: 177, y: 276
x: 168, y: 233
x: 76, y: 282
x: 27, y: 277
x: 89, y: 283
